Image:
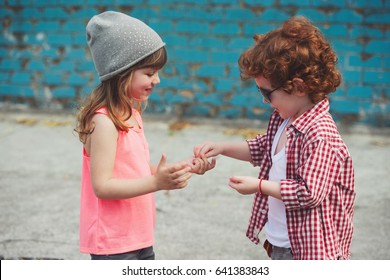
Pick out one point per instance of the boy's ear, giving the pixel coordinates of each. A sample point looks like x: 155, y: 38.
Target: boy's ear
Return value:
x: 300, y: 86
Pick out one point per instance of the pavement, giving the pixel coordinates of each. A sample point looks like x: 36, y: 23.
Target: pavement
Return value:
x: 40, y: 187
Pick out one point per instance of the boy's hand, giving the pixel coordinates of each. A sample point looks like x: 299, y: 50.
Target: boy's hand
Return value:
x: 244, y: 184
x: 201, y: 165
x: 208, y: 149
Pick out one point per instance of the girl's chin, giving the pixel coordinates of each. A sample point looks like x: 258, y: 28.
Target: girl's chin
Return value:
x: 141, y: 98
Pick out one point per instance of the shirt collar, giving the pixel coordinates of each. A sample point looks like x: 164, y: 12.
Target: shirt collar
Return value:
x: 307, y: 119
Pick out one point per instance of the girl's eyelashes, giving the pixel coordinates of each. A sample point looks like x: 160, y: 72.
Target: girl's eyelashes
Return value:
x: 150, y: 72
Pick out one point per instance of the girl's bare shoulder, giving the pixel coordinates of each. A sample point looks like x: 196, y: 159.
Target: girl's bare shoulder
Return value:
x: 102, y: 122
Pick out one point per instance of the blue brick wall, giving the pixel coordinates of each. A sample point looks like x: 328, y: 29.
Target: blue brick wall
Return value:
x: 45, y: 61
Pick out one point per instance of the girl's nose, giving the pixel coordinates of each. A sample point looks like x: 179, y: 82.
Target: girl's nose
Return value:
x: 156, y: 79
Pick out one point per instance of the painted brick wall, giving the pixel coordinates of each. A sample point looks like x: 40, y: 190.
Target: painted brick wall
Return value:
x: 45, y: 61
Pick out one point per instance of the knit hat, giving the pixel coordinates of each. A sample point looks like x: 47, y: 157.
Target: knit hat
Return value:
x: 118, y: 41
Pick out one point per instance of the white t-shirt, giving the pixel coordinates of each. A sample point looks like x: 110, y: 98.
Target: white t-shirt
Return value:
x: 276, y: 226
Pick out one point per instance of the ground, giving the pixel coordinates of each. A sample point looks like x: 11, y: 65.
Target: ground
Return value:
x: 40, y: 186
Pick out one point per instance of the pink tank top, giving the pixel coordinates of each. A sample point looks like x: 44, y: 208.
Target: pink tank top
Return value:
x: 118, y: 226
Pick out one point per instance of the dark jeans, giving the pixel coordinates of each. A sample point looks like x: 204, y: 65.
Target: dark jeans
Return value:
x: 142, y: 254
x: 279, y: 253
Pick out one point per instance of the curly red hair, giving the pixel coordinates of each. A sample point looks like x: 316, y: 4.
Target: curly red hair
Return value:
x: 296, y: 50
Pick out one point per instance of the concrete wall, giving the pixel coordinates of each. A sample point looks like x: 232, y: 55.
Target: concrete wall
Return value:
x: 45, y: 61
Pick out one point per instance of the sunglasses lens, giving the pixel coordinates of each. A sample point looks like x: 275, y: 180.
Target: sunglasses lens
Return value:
x: 265, y: 94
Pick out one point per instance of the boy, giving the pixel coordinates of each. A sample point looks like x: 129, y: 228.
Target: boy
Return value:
x: 305, y: 193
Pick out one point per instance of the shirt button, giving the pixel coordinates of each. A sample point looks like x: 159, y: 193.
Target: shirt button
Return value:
x: 263, y: 211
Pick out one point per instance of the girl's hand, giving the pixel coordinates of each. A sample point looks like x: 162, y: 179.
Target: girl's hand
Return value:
x: 172, y: 176
x: 244, y: 184
x: 201, y: 165
x: 208, y: 149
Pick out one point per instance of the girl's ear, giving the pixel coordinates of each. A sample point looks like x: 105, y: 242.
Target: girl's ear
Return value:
x: 299, y: 86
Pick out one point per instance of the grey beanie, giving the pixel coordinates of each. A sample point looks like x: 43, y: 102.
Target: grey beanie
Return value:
x: 118, y: 41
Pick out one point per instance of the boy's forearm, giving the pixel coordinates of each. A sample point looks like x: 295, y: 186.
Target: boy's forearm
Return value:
x: 236, y: 150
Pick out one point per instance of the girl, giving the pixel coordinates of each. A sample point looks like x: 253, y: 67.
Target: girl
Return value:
x: 117, y: 212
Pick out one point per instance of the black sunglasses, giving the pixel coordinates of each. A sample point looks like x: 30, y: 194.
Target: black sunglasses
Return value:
x: 266, y: 93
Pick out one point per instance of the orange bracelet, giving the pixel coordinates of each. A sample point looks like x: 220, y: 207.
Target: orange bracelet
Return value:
x: 261, y: 180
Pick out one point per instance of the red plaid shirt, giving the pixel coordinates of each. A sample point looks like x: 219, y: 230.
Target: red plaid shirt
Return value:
x: 319, y: 191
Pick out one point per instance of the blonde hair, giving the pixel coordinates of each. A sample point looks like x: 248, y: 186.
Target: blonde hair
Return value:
x: 296, y: 50
x: 113, y: 94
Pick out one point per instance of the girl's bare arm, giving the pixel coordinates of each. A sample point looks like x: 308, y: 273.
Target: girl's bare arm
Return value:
x: 102, y: 156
